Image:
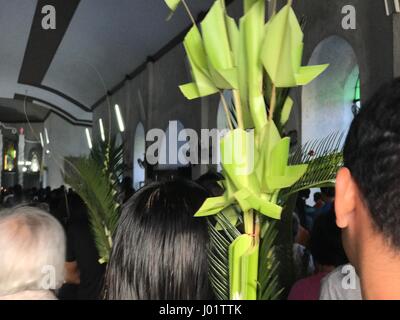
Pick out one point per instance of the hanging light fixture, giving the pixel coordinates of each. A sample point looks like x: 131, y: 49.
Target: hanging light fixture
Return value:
x: 119, y: 118
x: 89, y: 139
x: 103, y: 136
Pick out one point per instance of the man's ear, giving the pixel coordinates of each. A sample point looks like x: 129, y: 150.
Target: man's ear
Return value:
x: 345, y: 197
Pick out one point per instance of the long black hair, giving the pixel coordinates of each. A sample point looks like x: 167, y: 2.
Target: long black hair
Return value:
x: 159, y: 249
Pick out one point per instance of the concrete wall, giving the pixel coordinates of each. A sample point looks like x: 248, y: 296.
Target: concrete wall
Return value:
x: 161, y: 101
x: 396, y: 43
x: 66, y: 140
x: 153, y: 98
x: 372, y: 41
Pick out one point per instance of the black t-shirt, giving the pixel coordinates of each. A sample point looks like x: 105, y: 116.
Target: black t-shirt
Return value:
x: 82, y: 249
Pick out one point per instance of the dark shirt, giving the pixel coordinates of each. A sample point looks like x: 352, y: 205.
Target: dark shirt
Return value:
x: 82, y: 249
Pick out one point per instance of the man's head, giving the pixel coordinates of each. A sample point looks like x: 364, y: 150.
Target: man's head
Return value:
x: 32, y: 251
x: 328, y: 194
x: 317, y: 196
x: 325, y: 242
x: 368, y: 187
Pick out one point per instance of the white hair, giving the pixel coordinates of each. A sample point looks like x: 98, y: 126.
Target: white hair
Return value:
x: 32, y: 251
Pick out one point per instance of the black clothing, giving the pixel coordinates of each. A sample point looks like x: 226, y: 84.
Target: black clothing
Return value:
x: 82, y: 249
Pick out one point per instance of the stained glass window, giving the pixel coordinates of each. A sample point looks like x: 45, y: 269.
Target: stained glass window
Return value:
x: 357, y: 98
x: 357, y: 95
x: 10, y: 157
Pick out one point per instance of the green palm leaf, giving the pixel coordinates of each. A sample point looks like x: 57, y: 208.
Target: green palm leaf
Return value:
x: 324, y: 159
x: 221, y: 238
x: 268, y: 269
x: 96, y: 180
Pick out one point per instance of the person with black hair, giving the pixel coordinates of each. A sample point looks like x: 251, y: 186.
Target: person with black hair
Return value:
x: 367, y: 197
x: 302, y: 260
x: 319, y: 203
x: 159, y: 249
x: 127, y: 189
x: 301, y: 206
x: 327, y: 252
x: 305, y: 212
x: 82, y: 264
x: 209, y: 181
x: 328, y: 197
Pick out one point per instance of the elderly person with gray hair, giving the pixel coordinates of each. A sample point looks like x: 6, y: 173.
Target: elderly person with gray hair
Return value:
x: 32, y: 254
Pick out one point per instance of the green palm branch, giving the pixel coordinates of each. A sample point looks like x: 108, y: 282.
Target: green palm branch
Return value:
x: 218, y: 253
x: 270, y: 287
x: 259, y: 63
x: 222, y: 233
x: 96, y: 180
x: 324, y: 158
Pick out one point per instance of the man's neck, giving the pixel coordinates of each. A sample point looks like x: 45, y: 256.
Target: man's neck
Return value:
x: 380, y: 272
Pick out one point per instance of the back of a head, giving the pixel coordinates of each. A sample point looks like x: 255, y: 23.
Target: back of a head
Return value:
x: 77, y: 209
x: 317, y: 196
x: 210, y: 181
x: 32, y: 246
x: 127, y: 182
x: 372, y: 154
x: 326, y: 241
x: 328, y: 192
x: 159, y: 249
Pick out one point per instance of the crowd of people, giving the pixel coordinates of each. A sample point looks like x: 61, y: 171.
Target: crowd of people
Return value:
x: 346, y: 245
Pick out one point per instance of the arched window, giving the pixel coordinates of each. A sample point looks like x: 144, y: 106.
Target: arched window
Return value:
x: 327, y: 101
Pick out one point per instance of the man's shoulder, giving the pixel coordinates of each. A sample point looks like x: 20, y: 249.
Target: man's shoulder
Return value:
x: 335, y: 286
x: 336, y: 275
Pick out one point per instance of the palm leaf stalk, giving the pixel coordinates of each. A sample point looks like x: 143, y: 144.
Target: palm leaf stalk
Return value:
x: 259, y: 63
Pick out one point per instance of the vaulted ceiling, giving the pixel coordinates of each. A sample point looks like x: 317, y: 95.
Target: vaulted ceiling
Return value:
x: 96, y: 43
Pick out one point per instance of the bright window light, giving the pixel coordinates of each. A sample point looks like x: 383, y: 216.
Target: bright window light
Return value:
x: 46, y: 135
x: 119, y: 118
x: 41, y: 140
x: 89, y: 139
x: 103, y: 137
